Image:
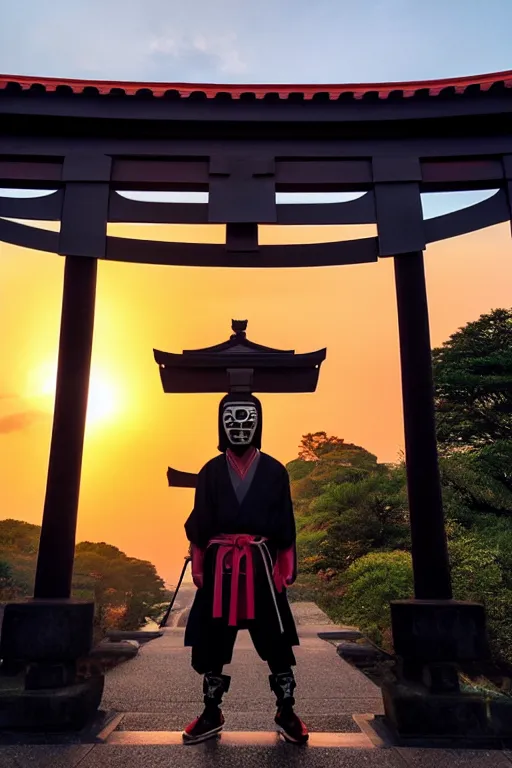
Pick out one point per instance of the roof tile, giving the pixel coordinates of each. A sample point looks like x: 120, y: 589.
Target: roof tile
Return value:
x: 245, y: 92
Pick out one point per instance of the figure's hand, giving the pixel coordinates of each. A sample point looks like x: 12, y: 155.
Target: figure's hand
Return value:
x: 286, y: 561
x: 197, y: 565
x: 197, y: 578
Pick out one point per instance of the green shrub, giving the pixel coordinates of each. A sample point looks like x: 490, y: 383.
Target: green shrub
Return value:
x: 371, y: 583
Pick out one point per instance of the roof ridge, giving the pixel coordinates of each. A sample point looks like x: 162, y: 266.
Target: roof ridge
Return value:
x: 212, y: 90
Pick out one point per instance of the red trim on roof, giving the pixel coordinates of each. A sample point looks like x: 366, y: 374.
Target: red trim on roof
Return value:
x: 210, y: 91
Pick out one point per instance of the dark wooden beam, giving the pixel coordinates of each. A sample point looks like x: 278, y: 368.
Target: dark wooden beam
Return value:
x: 163, y: 173
x: 489, y: 212
x: 82, y: 239
x: 122, y: 209
x: 507, y: 168
x: 57, y: 541
x: 313, y: 113
x: 22, y: 172
x: 360, y: 251
x: 325, y: 175
x: 178, y: 479
x: 429, y: 548
x: 454, y: 172
x: 29, y: 237
x: 360, y: 211
x: 46, y: 208
x: 458, y: 146
x: 398, y: 204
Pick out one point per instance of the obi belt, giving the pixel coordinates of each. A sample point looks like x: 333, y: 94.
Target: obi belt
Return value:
x: 233, y: 551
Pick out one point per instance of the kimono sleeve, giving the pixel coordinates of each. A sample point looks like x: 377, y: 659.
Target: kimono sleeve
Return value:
x: 287, y: 533
x: 199, y: 523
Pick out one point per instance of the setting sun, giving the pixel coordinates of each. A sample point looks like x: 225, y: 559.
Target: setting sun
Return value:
x: 103, y: 402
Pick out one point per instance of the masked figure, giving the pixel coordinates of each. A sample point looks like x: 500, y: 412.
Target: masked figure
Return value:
x: 242, y: 534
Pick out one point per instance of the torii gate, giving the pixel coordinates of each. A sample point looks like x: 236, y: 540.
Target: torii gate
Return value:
x: 242, y: 144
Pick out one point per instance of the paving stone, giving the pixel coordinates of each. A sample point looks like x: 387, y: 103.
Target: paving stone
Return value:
x: 7, y: 758
x: 218, y: 756
x: 41, y: 756
x: 309, y: 613
x: 453, y: 758
x: 160, y: 679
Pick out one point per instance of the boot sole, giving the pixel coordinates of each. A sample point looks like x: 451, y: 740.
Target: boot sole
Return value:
x: 204, y: 737
x: 290, y: 739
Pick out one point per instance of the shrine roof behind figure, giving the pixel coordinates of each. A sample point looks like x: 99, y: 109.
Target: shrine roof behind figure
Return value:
x: 331, y: 92
x: 211, y: 369
x: 238, y: 349
x: 238, y: 343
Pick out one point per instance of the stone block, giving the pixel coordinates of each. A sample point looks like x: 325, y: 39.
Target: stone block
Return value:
x: 124, y: 649
x: 49, y: 675
x: 117, y: 635
x: 358, y: 651
x: 501, y: 717
x: 439, y: 630
x: 341, y: 635
x: 47, y: 630
x: 60, y: 709
x: 412, y: 711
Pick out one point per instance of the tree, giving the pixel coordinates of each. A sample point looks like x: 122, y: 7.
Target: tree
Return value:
x: 315, y: 444
x: 124, y: 589
x: 346, y: 503
x: 473, y: 383
x: 478, y: 482
x: 8, y: 589
x: 369, y: 515
x: 19, y: 536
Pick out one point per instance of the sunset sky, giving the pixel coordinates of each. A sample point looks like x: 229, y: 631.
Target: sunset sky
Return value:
x: 135, y: 431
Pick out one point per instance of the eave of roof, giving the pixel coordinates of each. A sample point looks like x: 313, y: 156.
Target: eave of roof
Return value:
x: 226, y: 360
x: 456, y: 85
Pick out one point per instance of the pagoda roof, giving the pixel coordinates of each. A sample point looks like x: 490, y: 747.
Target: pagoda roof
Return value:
x: 237, y: 344
x: 213, y: 369
x: 384, y: 90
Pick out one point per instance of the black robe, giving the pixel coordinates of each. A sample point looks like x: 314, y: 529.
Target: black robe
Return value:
x: 266, y: 510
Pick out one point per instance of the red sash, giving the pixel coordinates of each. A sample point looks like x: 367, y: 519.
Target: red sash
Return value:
x: 233, y: 549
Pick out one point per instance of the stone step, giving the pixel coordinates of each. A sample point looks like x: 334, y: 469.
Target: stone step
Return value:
x: 235, y: 721
x: 240, y: 739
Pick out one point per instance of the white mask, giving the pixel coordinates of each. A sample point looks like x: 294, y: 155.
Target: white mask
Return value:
x: 240, y: 421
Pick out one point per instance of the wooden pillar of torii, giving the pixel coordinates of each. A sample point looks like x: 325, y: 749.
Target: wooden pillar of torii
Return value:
x: 402, y: 235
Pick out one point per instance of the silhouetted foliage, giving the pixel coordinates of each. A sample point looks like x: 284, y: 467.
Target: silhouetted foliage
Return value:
x: 473, y: 383
x: 124, y: 589
x: 352, y: 514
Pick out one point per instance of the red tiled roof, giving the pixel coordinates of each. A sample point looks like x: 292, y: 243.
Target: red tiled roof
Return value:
x: 456, y: 85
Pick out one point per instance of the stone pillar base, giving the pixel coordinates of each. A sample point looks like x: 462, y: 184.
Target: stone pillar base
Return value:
x: 47, y: 630
x: 433, y: 640
x: 57, y: 709
x: 414, y: 712
x: 42, y: 641
x: 439, y: 631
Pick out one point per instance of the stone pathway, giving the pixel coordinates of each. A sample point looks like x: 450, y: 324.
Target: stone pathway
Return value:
x: 156, y: 693
x: 159, y: 690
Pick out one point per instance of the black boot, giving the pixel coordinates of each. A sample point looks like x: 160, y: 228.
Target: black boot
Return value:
x: 288, y: 723
x: 211, y: 722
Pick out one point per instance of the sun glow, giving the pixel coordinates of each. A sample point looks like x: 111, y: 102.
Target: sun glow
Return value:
x: 103, y: 402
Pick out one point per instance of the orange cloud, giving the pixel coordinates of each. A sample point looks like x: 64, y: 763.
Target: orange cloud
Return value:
x: 16, y: 422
